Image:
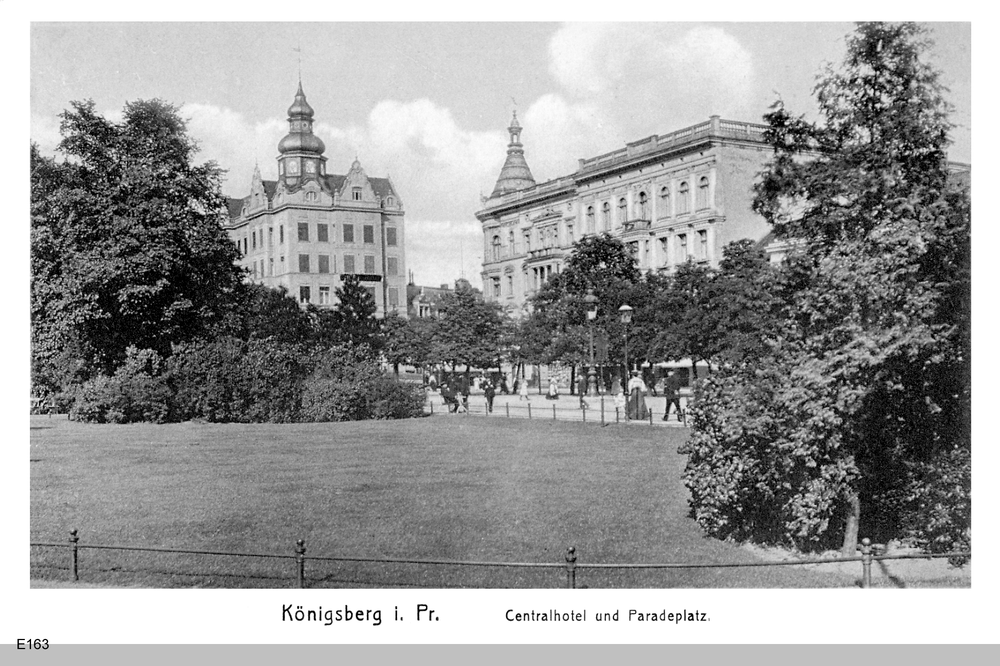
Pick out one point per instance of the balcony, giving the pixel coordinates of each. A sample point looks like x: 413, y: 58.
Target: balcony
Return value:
x: 544, y: 254
x: 635, y: 225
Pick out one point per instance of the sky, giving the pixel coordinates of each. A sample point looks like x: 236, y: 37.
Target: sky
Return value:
x: 427, y: 104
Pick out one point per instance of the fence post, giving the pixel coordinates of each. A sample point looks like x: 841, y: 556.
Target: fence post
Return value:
x: 300, y: 557
x: 529, y: 410
x: 431, y: 402
x: 571, y: 568
x: 75, y: 539
x: 553, y: 412
x: 507, y: 407
x: 650, y: 417
x: 866, y: 563
x: 584, y: 412
x: 616, y: 414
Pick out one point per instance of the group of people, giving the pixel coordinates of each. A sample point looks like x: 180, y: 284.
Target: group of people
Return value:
x: 631, y: 401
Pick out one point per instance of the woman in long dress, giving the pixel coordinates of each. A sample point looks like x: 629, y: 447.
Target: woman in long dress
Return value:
x: 637, y: 397
x: 618, y: 395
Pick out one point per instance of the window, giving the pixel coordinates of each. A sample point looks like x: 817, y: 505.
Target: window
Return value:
x: 253, y: 270
x: 683, y: 199
x: 270, y: 236
x: 293, y: 168
x: 356, y: 193
x: 324, y: 263
x: 606, y: 216
x: 303, y: 263
x: 703, y: 244
x: 663, y: 251
x: 253, y: 235
x: 664, y: 201
x: 703, y: 193
x: 510, y: 241
x: 245, y: 251
x: 270, y: 266
x: 349, y: 263
x: 496, y: 287
x: 304, y: 295
x: 393, y: 297
x: 348, y: 233
x: 622, y: 211
x: 527, y: 241
x: 590, y: 220
x: 324, y: 295
x: 569, y: 234
x: 682, y: 248
x: 369, y: 233
x: 390, y: 236
x: 510, y: 285
x: 322, y: 233
x: 495, y: 248
x: 304, y: 231
x: 281, y: 234
x: 392, y: 266
x: 369, y: 264
x: 643, y: 206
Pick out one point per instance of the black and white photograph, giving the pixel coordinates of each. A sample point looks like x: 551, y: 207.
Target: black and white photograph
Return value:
x: 359, y: 311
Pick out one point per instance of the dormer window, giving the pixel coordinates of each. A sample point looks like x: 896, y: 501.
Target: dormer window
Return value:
x: 356, y: 194
x: 293, y: 167
x: 310, y: 166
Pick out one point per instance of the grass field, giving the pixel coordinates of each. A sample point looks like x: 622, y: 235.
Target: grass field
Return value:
x: 466, y: 489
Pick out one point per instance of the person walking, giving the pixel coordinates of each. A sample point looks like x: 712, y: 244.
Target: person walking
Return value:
x: 522, y: 390
x: 672, y: 392
x: 553, y: 393
x: 618, y: 395
x: 490, y: 393
x: 464, y: 390
x: 581, y: 389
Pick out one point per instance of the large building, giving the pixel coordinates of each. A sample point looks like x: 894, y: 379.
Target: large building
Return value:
x: 672, y: 198
x: 309, y: 228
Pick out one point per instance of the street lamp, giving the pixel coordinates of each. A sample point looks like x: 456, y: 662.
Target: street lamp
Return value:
x: 591, y: 302
x: 626, y: 315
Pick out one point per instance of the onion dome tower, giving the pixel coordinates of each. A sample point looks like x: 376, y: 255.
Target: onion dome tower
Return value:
x: 515, y: 174
x: 300, y: 152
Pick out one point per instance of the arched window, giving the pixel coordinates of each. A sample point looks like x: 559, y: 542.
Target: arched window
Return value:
x: 496, y: 248
x: 665, y: 201
x: 590, y: 220
x: 606, y: 216
x: 703, y: 193
x: 643, y: 206
x: 622, y: 211
x: 510, y: 240
x: 683, y: 198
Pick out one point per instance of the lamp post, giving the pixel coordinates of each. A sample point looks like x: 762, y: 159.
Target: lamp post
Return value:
x: 626, y: 315
x: 591, y: 302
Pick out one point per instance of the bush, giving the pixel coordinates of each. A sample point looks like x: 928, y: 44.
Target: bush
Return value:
x: 231, y: 380
x: 135, y: 393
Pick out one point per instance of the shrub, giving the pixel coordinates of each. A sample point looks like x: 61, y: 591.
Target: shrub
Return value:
x: 135, y: 393
x: 230, y: 380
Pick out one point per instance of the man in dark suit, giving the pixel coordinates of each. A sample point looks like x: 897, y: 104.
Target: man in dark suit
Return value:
x: 671, y: 391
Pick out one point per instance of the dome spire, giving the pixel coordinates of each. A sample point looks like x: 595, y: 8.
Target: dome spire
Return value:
x: 515, y: 174
x: 300, y: 137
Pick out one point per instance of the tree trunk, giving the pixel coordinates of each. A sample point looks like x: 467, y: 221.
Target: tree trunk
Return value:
x: 694, y: 369
x: 849, y: 548
x: 395, y: 370
x: 572, y: 379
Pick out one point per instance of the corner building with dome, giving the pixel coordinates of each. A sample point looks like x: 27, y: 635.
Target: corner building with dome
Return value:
x: 309, y: 228
x: 670, y: 198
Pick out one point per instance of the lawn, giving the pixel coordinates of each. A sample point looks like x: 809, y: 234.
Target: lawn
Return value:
x: 455, y: 488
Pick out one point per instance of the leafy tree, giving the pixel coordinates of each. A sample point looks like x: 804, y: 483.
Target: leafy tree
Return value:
x: 467, y: 331
x: 272, y: 313
x: 859, y: 417
x: 127, y: 247
x: 404, y: 341
x: 352, y: 322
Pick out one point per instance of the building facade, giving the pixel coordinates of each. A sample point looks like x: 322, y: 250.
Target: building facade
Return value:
x: 671, y: 198
x: 309, y: 228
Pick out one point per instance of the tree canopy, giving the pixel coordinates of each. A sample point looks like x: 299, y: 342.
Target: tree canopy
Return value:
x: 127, y: 248
x: 858, y: 417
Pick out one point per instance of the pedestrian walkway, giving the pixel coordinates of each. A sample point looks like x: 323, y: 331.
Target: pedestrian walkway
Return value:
x: 566, y: 408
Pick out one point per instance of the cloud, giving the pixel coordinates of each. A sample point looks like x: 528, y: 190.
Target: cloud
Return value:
x: 651, y: 78
x: 45, y: 133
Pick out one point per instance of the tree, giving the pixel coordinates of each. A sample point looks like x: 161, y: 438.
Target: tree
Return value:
x: 404, y: 341
x: 127, y: 245
x: 352, y: 322
x: 272, y: 313
x: 860, y: 413
x: 467, y: 330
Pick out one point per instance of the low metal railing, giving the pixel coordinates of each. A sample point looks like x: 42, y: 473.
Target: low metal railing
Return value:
x: 869, y: 553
